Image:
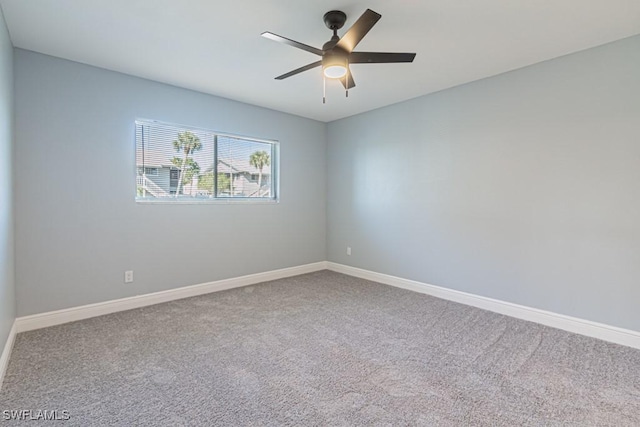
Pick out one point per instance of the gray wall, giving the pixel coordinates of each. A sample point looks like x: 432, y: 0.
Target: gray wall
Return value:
x: 523, y: 187
x: 7, y: 296
x: 78, y: 227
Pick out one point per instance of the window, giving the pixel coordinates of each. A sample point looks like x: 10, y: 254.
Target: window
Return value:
x: 179, y: 163
x: 148, y: 171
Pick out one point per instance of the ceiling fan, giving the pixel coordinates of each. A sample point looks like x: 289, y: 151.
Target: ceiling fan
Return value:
x: 337, y: 54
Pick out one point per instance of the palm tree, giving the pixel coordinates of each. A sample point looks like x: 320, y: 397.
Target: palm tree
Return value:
x: 187, y: 143
x: 259, y: 160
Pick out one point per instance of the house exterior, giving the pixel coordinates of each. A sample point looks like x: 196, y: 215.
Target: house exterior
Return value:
x: 158, y: 177
x: 245, y: 178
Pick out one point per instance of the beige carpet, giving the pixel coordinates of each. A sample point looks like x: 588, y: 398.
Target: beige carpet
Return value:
x: 320, y: 349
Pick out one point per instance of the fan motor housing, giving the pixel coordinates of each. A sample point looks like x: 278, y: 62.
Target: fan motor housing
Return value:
x: 335, y: 56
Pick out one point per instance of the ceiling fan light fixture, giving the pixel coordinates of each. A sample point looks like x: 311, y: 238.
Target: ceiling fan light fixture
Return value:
x: 335, y: 71
x: 334, y: 64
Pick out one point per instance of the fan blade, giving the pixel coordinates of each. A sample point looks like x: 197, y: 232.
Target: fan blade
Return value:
x: 300, y: 70
x: 358, y: 30
x: 379, y: 57
x: 349, y: 76
x: 290, y: 42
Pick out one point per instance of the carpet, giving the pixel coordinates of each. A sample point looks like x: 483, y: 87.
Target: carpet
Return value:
x: 320, y: 349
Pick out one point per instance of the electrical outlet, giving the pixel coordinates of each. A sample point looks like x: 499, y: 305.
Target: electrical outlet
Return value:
x: 128, y: 276
x: 349, y: 250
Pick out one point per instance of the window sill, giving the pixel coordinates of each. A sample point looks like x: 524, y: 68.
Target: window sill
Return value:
x: 218, y: 201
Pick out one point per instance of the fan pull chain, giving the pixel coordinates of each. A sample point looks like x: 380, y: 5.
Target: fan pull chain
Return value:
x: 324, y: 89
x: 346, y: 87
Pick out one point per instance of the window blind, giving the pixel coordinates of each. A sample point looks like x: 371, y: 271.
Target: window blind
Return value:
x: 175, y: 162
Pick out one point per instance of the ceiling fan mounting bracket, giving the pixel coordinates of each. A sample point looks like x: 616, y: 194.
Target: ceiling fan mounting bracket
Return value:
x: 335, y: 19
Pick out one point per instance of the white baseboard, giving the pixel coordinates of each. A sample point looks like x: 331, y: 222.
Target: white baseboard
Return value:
x: 571, y: 324
x: 6, y: 352
x: 52, y: 318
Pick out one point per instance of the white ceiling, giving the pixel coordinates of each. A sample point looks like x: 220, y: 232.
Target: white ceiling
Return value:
x: 215, y: 46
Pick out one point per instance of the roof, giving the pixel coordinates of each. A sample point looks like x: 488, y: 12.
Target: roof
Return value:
x: 153, y: 159
x: 240, y: 166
